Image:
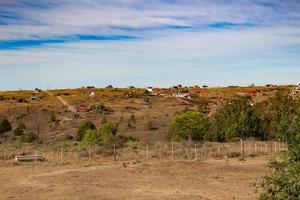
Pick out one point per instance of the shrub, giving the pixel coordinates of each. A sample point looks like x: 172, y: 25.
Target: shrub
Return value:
x: 188, y: 125
x: 20, y: 130
x: 283, y: 182
x: 112, y: 128
x: 92, y: 136
x: 29, y: 137
x: 5, y: 126
x: 83, y: 128
x: 152, y: 126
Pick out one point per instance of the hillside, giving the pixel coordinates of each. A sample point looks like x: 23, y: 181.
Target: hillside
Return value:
x: 56, y: 113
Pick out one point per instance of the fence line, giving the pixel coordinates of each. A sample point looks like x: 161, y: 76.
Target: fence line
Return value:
x: 173, y: 151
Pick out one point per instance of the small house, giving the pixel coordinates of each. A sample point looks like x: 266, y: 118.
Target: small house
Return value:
x: 33, y: 98
x: 91, y: 94
x: 184, y: 95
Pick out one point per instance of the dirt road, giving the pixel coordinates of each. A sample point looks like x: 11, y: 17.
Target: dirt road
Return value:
x: 64, y: 102
x: 155, y: 180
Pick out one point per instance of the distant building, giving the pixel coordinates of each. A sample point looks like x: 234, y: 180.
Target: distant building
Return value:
x: 37, y: 90
x: 184, y: 95
x: 149, y: 89
x: 33, y: 98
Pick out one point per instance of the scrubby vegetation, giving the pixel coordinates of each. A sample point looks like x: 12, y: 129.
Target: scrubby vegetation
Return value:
x: 5, y: 126
x: 284, y: 180
x: 240, y: 118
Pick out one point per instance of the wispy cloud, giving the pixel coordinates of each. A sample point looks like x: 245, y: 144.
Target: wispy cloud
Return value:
x: 138, y: 40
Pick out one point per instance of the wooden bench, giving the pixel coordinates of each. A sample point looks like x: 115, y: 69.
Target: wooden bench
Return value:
x: 29, y: 158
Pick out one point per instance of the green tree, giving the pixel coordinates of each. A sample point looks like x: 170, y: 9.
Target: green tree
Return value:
x: 237, y: 119
x: 5, y: 126
x: 188, y: 125
x: 83, y: 128
x: 283, y: 182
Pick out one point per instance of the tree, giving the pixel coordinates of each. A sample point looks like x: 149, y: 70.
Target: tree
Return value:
x: 83, y: 128
x: 237, y: 119
x: 5, y: 126
x: 283, y: 182
x: 188, y: 125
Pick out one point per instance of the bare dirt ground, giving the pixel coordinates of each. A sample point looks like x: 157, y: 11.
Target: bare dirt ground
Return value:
x: 213, y: 179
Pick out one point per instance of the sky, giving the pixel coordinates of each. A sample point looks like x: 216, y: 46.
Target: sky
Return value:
x: 74, y: 43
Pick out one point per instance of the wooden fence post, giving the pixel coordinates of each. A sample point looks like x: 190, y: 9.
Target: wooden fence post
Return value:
x: 196, y: 153
x: 266, y: 148
x: 147, y: 152
x: 172, y: 150
x: 275, y: 147
x: 61, y: 155
x: 242, y: 149
x: 89, y: 153
x: 114, y: 152
x: 255, y: 149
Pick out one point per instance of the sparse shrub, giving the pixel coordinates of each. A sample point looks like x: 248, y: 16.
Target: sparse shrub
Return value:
x: 151, y: 126
x: 2, y: 98
x: 29, y: 137
x: 83, y: 128
x: 5, y: 126
x: 20, y: 130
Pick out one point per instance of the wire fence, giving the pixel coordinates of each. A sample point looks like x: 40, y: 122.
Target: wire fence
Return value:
x: 174, y: 151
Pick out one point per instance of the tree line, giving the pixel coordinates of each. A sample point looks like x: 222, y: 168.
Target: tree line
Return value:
x: 240, y: 118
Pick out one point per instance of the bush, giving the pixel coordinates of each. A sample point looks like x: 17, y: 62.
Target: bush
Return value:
x: 20, y: 130
x: 283, y: 182
x: 83, y: 128
x: 92, y: 137
x: 5, y: 126
x: 112, y: 128
x: 151, y: 126
x: 188, y: 125
x: 29, y: 137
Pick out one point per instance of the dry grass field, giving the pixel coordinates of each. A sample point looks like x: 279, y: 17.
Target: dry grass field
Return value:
x: 211, y: 179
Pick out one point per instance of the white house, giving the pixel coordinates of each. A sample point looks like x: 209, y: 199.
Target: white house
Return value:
x: 92, y: 94
x: 184, y: 95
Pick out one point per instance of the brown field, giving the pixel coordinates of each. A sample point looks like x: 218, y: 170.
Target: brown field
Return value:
x: 212, y: 179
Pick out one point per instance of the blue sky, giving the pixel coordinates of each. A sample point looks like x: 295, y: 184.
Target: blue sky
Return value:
x: 70, y: 43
